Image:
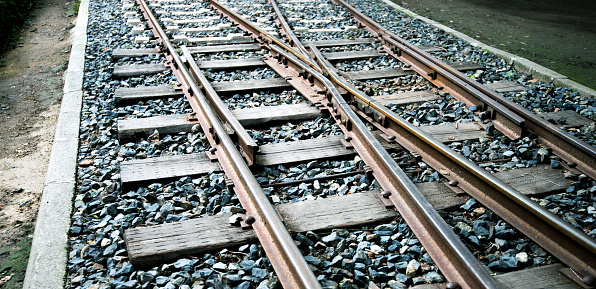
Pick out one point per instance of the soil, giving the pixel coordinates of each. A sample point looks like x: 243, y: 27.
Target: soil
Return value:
x: 557, y: 34
x: 30, y: 93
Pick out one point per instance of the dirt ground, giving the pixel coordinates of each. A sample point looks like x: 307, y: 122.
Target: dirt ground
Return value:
x: 30, y: 93
x: 558, y: 34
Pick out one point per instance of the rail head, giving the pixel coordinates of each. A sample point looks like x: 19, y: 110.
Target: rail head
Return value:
x: 572, y: 246
x: 284, y: 255
x: 287, y: 30
x: 509, y: 117
x: 450, y: 254
x: 247, y: 144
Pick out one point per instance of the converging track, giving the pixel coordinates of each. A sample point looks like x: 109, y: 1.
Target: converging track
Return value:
x: 291, y: 125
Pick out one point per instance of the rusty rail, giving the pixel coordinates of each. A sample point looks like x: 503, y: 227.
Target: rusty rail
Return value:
x: 558, y: 237
x: 247, y: 144
x: 579, y: 250
x: 453, y: 258
x: 256, y: 32
x: 508, y: 116
x: 286, y: 259
x: 562, y: 240
x: 286, y: 30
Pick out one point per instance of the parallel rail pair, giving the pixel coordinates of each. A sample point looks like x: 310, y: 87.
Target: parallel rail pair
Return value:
x: 308, y: 67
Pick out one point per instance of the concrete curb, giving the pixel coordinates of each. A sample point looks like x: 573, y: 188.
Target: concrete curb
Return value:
x: 519, y: 63
x: 49, y: 251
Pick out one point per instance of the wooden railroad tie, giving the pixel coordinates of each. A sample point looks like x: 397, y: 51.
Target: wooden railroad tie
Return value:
x: 138, y: 69
x: 132, y: 94
x: 151, y: 245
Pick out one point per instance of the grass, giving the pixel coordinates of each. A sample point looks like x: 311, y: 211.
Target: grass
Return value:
x: 74, y: 8
x: 13, y: 262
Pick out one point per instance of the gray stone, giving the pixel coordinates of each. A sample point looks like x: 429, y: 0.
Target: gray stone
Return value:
x: 184, y: 264
x: 412, y: 268
x: 433, y: 277
x: 259, y: 273
x: 396, y: 285
x: 330, y: 238
x: 220, y: 266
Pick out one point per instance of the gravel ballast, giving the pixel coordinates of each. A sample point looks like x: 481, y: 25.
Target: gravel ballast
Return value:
x: 386, y: 254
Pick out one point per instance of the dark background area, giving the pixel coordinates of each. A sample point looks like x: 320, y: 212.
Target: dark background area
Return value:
x: 560, y: 35
x: 12, y: 16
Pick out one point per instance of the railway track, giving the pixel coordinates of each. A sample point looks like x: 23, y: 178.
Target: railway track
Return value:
x: 346, y: 125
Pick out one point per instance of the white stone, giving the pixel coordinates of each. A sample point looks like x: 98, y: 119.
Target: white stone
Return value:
x: 105, y: 242
x: 522, y: 257
x: 377, y: 249
x: 220, y: 266
x: 316, y: 185
x: 412, y: 268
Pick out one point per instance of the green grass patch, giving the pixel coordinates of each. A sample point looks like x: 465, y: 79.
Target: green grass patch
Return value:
x: 13, y: 262
x: 74, y: 8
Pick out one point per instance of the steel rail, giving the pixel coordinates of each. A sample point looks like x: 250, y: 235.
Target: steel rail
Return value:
x: 247, y: 144
x: 291, y: 38
x: 574, y: 151
x: 454, y: 259
x: 438, y: 161
x: 442, y: 75
x: 284, y: 255
x: 558, y: 237
x: 556, y: 220
x: 450, y: 254
x: 561, y: 239
x: 258, y: 33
